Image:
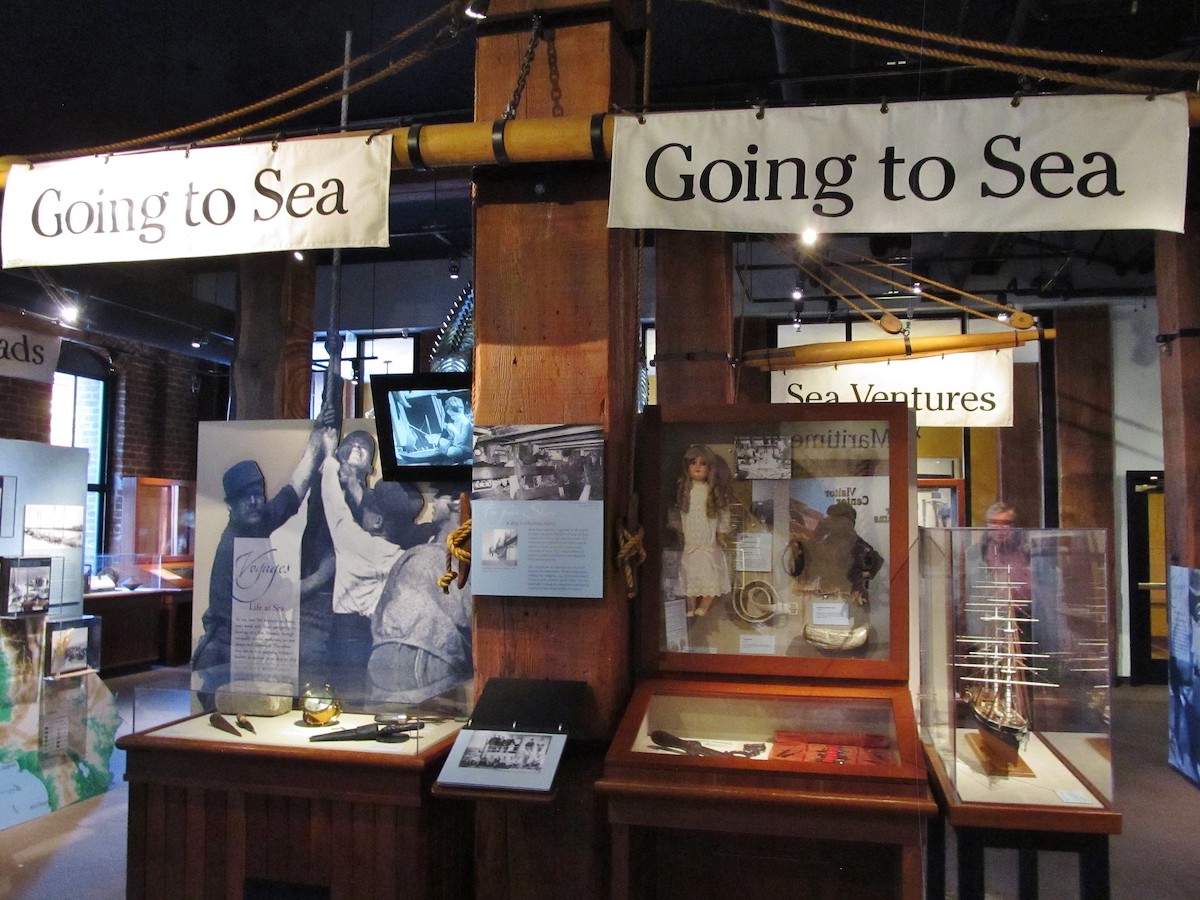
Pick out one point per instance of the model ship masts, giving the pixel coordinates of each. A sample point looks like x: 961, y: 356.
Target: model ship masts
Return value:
x: 1008, y: 681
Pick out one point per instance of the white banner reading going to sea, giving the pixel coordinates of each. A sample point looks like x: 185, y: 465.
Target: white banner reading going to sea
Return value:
x: 214, y: 201
x: 1044, y: 164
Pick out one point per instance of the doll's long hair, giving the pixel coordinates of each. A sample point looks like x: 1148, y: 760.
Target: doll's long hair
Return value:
x: 720, y: 492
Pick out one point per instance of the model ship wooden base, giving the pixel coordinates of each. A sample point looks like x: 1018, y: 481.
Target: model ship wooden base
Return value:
x: 1102, y: 746
x: 999, y: 759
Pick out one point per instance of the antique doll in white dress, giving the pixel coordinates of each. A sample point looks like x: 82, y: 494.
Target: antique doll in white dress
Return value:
x: 703, y: 499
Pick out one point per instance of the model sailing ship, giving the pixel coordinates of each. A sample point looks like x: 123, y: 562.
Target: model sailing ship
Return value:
x: 1002, y: 665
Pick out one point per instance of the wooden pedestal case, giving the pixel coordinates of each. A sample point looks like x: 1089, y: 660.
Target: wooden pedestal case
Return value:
x: 771, y: 748
x: 215, y: 815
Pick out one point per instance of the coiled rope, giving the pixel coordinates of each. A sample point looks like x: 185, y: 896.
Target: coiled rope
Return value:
x: 458, y: 546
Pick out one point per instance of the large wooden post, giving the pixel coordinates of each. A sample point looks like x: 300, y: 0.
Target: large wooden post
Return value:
x: 556, y: 342
x: 1177, y: 271
x: 1083, y: 392
x: 271, y: 375
x: 693, y: 317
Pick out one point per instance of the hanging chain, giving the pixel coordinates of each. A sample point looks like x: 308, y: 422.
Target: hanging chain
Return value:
x: 536, y: 35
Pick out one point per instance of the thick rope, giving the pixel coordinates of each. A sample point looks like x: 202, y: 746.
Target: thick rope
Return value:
x: 1106, y: 84
x: 631, y: 555
x: 458, y: 546
x: 926, y: 280
x: 1095, y: 59
x: 162, y: 136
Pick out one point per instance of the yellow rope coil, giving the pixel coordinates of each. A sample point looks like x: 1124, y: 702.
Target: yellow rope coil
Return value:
x: 631, y: 555
x: 458, y: 546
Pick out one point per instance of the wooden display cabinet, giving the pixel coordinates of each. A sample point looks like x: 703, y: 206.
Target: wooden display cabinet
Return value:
x: 772, y: 779
x: 213, y: 814
x: 158, y: 518
x: 773, y: 746
x: 1016, y: 679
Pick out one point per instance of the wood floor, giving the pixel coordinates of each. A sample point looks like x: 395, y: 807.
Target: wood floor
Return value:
x: 79, y: 851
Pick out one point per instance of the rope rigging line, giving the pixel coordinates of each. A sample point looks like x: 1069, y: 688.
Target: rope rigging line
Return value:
x: 398, y: 66
x: 1096, y: 59
x: 926, y: 280
x: 1106, y: 84
x: 784, y: 246
x: 831, y: 289
x: 161, y: 136
x: 953, y: 304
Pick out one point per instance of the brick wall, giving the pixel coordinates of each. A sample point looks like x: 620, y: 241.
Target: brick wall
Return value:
x: 24, y: 410
x: 156, y: 413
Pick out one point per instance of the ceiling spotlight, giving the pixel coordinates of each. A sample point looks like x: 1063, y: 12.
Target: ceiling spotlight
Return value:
x: 199, y: 341
x: 454, y: 271
x: 797, y: 309
x: 808, y: 237
x: 298, y: 255
x: 798, y: 291
x: 916, y: 288
x: 69, y: 314
x: 1004, y: 316
x: 477, y: 9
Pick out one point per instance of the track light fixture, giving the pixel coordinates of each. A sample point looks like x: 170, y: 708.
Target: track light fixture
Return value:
x: 453, y: 269
x: 476, y: 9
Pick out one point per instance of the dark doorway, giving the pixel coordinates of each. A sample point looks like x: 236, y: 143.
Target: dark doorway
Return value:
x: 1147, y: 571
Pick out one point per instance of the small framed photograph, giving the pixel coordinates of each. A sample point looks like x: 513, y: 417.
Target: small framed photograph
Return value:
x: 505, y: 760
x: 72, y: 646
x: 26, y: 583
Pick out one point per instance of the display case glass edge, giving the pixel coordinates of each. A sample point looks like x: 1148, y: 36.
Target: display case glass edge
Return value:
x: 907, y: 769
x: 954, y: 489
x: 1020, y: 614
x: 659, y: 427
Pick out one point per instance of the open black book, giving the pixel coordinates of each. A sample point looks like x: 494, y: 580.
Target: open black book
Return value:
x: 515, y: 737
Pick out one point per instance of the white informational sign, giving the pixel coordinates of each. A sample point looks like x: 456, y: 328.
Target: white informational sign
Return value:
x: 966, y: 390
x: 1044, y: 164
x: 265, y: 638
x: 214, y: 201
x: 537, y: 548
x: 28, y: 354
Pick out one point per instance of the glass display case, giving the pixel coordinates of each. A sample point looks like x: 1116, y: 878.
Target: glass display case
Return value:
x: 775, y: 726
x: 158, y: 517
x: 124, y: 572
x: 777, y: 540
x: 793, y: 730
x: 343, y: 800
x: 1015, y: 665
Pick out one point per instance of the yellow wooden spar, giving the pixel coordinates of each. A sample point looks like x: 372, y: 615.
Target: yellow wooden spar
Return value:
x: 831, y: 353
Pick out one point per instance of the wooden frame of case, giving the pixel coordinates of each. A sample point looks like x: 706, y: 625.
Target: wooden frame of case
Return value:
x: 956, y: 487
x: 900, y: 776
x: 668, y: 431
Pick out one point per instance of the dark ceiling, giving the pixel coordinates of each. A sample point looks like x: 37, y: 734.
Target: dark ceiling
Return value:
x: 79, y: 75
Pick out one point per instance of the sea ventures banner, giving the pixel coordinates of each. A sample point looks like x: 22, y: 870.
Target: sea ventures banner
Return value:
x: 1043, y: 164
x: 965, y: 390
x: 215, y: 201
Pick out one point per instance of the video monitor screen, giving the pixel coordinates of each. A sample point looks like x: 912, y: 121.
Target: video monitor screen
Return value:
x: 425, y: 424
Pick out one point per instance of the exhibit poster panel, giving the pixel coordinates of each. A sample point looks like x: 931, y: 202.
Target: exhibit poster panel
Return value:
x: 312, y: 570
x: 537, y: 511
x: 1183, y: 673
